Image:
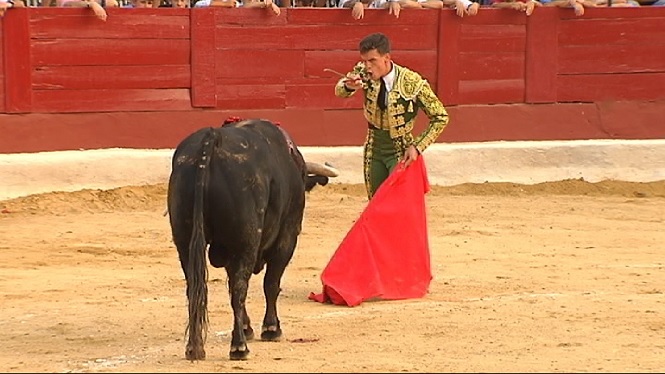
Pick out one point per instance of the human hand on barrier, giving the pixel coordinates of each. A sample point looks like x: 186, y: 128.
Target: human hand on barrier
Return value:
x: 273, y: 7
x: 531, y: 5
x: 97, y: 9
x: 9, y: 4
x: 577, y: 6
x: 394, y: 7
x: 358, y: 10
x: 4, y: 7
x: 472, y: 10
x: 518, y: 5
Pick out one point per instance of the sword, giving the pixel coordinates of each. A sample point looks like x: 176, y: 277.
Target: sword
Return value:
x: 344, y: 75
x: 335, y: 72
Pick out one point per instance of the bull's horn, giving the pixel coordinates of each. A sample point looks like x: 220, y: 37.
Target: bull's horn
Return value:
x: 320, y: 169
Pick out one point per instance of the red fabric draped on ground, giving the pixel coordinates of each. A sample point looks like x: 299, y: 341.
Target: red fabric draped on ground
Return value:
x: 386, y: 253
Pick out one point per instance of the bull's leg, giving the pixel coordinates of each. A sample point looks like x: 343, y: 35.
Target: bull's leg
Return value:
x: 247, y: 322
x: 271, y: 329
x: 238, y: 284
x: 247, y: 326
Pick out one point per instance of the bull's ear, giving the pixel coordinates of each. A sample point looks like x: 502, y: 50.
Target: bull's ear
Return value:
x: 309, y: 184
x: 312, y: 180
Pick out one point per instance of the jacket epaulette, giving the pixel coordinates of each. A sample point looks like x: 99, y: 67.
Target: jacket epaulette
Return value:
x: 409, y: 84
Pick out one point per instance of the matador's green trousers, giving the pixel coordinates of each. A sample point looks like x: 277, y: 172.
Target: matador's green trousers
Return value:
x: 381, y: 155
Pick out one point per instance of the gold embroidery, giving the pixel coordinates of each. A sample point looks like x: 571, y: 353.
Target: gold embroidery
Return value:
x: 369, y: 146
x: 410, y: 92
x: 409, y: 83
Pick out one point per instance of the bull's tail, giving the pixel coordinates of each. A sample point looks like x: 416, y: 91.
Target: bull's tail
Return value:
x: 197, y: 271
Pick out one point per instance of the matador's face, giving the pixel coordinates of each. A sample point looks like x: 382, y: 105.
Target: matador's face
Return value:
x: 376, y: 64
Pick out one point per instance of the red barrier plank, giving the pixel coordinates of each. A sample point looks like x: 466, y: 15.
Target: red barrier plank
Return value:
x: 338, y: 60
x: 540, y: 58
x: 110, y: 100
x: 110, y: 52
x: 613, y: 31
x: 54, y: 132
x: 68, y: 23
x: 310, y: 37
x: 248, y: 17
x: 18, y: 79
x: 269, y: 64
x: 374, y: 17
x: 203, y: 60
x: 480, y: 123
x: 493, y: 16
x: 601, y: 87
x: 50, y: 12
x: 484, y: 38
x: 247, y: 96
x: 448, y: 70
x: 491, y: 65
x: 605, y: 58
x: 424, y: 62
x: 2, y: 69
x: 491, y: 91
x: 633, y: 119
x: 493, y: 43
x: 306, y: 127
x: 313, y: 96
x: 320, y: 16
x: 614, y: 13
x: 345, y: 127
x: 353, y: 102
x: 110, y: 77
x: 255, y: 81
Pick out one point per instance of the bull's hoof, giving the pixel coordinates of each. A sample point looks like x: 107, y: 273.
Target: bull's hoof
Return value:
x: 271, y: 333
x: 194, y: 354
x: 239, y: 353
x: 249, y: 333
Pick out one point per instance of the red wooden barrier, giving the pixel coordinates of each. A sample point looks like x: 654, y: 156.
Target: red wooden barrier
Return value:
x: 2, y: 70
x: 146, y: 77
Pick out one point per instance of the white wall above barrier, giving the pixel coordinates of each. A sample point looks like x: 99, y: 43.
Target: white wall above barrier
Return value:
x: 527, y: 162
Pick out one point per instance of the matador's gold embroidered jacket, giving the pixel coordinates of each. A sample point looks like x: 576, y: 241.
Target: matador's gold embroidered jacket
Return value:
x: 409, y: 92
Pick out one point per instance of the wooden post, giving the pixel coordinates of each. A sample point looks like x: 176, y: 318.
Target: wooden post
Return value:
x: 447, y: 70
x: 18, y: 68
x: 542, y: 52
x: 203, y: 57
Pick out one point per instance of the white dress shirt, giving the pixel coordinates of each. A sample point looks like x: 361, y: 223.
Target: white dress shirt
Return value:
x: 389, y: 80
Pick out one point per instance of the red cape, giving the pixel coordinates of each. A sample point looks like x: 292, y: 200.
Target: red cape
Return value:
x: 386, y: 253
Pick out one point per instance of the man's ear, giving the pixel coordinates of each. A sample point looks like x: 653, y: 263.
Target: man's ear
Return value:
x: 388, y: 60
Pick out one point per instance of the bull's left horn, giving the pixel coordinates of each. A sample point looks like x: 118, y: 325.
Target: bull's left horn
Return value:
x: 320, y: 169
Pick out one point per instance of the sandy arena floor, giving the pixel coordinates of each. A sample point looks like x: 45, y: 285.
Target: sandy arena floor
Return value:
x: 565, y: 277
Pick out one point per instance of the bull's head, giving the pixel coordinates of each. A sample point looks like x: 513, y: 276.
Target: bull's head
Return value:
x: 318, y: 174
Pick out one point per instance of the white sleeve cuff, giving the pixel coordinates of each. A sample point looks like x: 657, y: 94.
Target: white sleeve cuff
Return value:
x: 467, y: 3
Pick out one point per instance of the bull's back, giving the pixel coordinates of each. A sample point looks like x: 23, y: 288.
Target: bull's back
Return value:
x: 257, y: 185
x: 252, y: 179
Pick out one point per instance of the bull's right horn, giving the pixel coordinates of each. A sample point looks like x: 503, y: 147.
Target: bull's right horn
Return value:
x: 320, y: 169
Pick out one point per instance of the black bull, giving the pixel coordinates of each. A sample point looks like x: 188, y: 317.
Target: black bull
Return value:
x: 239, y: 189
